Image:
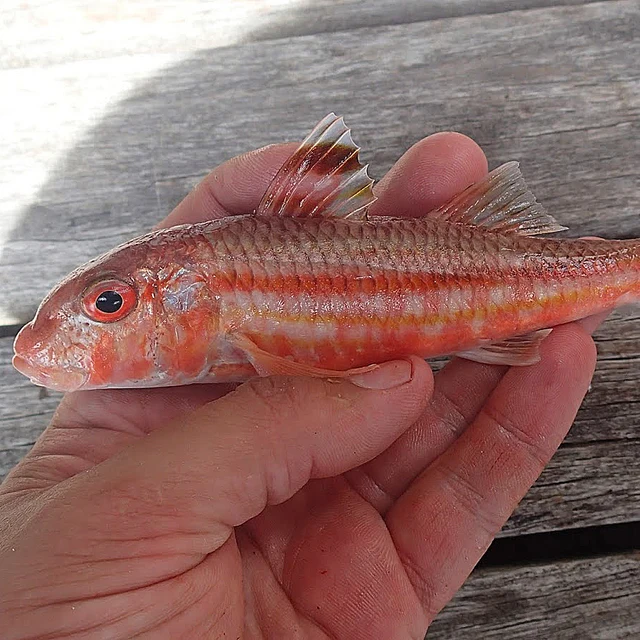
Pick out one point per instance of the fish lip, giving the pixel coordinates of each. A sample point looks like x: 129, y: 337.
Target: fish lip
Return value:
x: 57, y: 380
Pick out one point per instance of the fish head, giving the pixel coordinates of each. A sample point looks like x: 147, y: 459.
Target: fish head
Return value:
x: 132, y: 318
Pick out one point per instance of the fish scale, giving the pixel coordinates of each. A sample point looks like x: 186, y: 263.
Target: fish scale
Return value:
x: 377, y: 268
x: 311, y: 285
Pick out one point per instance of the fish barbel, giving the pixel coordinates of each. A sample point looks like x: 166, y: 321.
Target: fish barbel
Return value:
x: 310, y: 285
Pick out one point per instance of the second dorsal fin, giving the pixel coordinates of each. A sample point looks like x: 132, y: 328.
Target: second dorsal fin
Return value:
x: 500, y: 201
x: 323, y: 178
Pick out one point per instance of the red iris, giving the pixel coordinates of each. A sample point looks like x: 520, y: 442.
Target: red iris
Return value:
x: 108, y: 300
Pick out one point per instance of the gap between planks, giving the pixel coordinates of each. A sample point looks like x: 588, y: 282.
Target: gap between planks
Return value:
x: 595, y: 598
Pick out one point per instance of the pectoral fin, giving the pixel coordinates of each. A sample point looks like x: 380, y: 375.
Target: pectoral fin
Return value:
x: 267, y: 364
x: 519, y: 351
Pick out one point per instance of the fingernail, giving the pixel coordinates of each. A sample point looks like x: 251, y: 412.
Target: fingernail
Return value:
x: 387, y: 376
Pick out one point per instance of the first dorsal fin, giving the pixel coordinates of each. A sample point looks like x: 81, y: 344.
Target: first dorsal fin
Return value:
x: 501, y: 201
x: 323, y: 178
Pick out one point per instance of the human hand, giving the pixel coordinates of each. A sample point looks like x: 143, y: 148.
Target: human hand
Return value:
x: 287, y: 507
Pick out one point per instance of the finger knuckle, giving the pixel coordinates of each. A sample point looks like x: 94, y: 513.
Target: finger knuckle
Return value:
x: 518, y: 435
x: 476, y: 504
x: 423, y: 583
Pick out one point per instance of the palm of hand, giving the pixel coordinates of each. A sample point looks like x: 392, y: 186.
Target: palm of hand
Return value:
x: 373, y: 551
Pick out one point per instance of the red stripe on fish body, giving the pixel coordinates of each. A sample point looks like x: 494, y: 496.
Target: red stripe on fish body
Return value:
x: 309, y: 286
x: 343, y: 294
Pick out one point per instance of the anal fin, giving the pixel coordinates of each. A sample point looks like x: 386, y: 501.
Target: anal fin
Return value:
x: 518, y: 351
x: 268, y: 364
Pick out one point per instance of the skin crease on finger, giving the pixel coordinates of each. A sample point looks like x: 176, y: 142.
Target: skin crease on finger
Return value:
x: 323, y: 560
x: 463, y: 499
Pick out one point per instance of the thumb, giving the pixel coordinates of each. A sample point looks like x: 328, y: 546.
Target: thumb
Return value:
x: 255, y: 447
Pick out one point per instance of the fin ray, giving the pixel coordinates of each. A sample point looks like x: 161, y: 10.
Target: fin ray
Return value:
x: 267, y: 364
x: 323, y: 178
x: 518, y: 351
x: 502, y: 202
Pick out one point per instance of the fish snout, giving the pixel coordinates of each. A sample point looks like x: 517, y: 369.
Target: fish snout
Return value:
x: 25, y: 346
x: 35, y: 358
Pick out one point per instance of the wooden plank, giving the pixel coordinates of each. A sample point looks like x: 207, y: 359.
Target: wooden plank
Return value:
x: 595, y: 599
x: 25, y: 410
x: 556, y: 88
x: 611, y: 409
x: 584, y: 485
x: 41, y: 32
x: 587, y: 483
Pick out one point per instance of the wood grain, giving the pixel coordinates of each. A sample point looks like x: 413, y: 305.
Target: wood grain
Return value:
x: 40, y: 32
x: 594, y: 599
x: 543, y: 86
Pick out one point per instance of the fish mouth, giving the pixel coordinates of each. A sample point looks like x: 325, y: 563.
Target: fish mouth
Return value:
x: 58, y: 380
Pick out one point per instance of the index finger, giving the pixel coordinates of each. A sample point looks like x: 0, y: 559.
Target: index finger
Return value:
x: 429, y: 174
x: 233, y: 188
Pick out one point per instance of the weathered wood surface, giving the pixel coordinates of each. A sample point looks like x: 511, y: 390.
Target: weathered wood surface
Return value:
x: 40, y: 32
x: 112, y: 111
x: 595, y: 599
x: 543, y: 86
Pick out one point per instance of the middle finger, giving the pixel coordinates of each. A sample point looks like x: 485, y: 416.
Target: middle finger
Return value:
x: 428, y: 175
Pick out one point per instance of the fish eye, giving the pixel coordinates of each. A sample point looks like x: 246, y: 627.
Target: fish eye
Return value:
x: 108, y: 300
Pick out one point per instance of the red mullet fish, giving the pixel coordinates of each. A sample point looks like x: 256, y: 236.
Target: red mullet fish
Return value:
x: 309, y: 284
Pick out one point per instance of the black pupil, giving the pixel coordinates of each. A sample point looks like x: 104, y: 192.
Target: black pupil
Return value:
x: 109, y: 301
